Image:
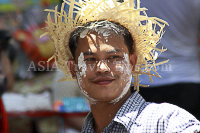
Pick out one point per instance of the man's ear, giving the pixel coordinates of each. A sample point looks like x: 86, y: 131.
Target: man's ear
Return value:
x: 72, y: 67
x: 133, y: 61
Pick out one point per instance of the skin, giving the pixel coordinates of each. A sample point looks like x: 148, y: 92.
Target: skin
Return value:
x: 103, y: 81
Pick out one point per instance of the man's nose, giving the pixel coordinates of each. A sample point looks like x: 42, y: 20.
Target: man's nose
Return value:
x: 102, y: 67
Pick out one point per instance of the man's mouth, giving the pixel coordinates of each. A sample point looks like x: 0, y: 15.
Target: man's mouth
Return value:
x: 103, y: 81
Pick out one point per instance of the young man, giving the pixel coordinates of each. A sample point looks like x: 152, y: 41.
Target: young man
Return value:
x: 105, y: 45
x: 106, y: 79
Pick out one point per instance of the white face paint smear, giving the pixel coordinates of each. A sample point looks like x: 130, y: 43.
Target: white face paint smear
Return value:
x: 126, y: 63
x: 81, y: 86
x: 84, y: 33
x: 126, y: 75
x: 105, y: 29
x: 80, y: 75
x: 80, y: 83
x: 126, y: 57
x: 126, y: 88
x: 82, y: 65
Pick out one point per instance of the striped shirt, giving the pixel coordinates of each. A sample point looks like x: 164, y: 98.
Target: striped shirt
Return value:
x: 138, y: 116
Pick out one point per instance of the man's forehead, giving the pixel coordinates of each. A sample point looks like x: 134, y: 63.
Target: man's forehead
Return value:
x: 95, y: 42
x: 99, y: 35
x: 98, y: 38
x: 106, y: 51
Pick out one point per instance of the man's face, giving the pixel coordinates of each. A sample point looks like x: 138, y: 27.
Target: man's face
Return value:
x: 104, y: 66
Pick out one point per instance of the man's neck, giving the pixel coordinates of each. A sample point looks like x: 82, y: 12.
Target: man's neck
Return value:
x: 104, y: 112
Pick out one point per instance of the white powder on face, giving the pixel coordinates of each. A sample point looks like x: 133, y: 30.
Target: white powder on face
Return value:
x: 80, y: 75
x: 106, y: 29
x: 82, y: 65
x: 80, y: 82
x: 127, y: 69
x: 125, y: 90
x: 81, y: 86
x: 126, y: 57
x: 121, y: 69
x: 126, y: 76
x: 84, y: 33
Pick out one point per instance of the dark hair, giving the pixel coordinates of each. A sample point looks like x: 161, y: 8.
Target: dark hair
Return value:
x: 111, y: 26
x: 4, y: 39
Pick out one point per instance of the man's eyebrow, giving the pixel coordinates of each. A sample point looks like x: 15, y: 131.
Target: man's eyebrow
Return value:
x: 114, y: 51
x: 88, y: 53
x: 110, y: 51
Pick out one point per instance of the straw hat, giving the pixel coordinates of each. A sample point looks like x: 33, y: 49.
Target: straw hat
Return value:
x: 127, y: 13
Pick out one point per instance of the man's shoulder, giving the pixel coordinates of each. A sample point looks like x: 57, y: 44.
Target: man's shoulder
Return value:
x: 165, y: 110
x: 163, y: 106
x: 165, y: 117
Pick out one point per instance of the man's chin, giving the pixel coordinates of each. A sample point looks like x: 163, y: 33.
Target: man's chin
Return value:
x: 105, y: 95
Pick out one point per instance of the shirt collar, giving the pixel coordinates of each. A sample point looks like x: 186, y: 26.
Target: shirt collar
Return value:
x: 126, y: 115
x: 88, y: 124
x: 129, y: 111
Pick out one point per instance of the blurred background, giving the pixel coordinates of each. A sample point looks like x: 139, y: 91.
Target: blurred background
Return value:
x: 180, y: 82
x: 32, y: 101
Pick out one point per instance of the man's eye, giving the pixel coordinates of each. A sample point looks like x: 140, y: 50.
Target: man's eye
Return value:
x: 90, y: 59
x: 114, y: 57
